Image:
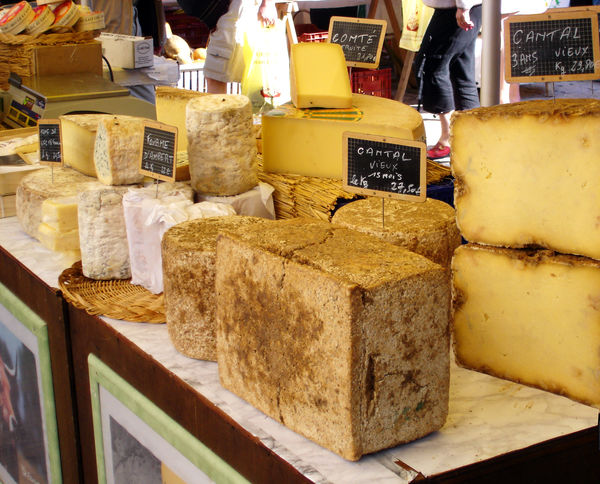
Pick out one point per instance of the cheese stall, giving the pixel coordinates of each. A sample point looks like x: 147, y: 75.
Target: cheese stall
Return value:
x: 212, y: 295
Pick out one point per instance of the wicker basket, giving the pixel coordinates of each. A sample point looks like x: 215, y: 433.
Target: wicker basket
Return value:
x: 17, y: 51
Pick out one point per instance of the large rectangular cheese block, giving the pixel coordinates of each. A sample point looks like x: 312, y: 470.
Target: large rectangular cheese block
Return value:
x: 309, y: 141
x: 170, y: 109
x: 78, y: 137
x: 529, y: 174
x: 529, y: 316
x: 338, y: 335
x: 319, y: 76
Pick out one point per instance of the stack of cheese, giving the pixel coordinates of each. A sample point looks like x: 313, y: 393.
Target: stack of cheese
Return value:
x: 339, y: 335
x: 526, y: 298
x: 84, y: 199
x: 304, y: 141
x: 217, y: 145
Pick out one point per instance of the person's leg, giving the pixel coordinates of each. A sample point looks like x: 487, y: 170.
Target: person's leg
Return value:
x: 214, y: 86
x: 437, y: 95
x: 462, y: 66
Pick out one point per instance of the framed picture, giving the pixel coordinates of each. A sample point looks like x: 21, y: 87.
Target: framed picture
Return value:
x: 137, y: 442
x: 29, y: 451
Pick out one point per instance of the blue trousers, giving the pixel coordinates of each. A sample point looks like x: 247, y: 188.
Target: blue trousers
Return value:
x: 448, y: 69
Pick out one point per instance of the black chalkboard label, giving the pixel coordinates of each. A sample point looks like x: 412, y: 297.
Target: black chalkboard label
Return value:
x: 50, y: 140
x: 552, y: 47
x: 384, y: 166
x: 361, y: 39
x: 159, y: 150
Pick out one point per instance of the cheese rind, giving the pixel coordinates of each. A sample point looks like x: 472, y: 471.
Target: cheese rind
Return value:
x: 102, y: 234
x: 309, y: 142
x: 338, y: 335
x: 221, y: 144
x: 529, y: 174
x: 117, y: 150
x: 188, y: 255
x: 529, y: 316
x: 427, y: 228
x: 319, y: 76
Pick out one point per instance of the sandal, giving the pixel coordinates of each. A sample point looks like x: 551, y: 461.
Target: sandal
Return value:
x: 438, y: 151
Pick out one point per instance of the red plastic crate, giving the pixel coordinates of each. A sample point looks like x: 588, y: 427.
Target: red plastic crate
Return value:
x: 310, y: 33
x: 374, y: 82
x: 313, y: 37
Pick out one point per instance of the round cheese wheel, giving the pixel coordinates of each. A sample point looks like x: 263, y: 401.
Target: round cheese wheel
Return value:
x: 221, y: 144
x: 428, y: 228
x: 41, y: 185
x: 42, y: 21
x: 16, y: 19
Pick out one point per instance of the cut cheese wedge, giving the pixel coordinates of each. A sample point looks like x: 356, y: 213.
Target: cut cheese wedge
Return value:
x: 79, y: 136
x: 60, y: 213
x: 529, y: 174
x: 529, y: 316
x: 309, y: 141
x: 61, y: 241
x: 319, y: 76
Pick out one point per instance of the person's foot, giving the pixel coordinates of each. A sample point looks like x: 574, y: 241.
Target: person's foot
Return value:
x: 438, y: 151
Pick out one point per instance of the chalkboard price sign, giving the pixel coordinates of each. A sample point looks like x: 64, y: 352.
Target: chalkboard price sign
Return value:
x: 158, y: 154
x: 50, y: 140
x: 385, y: 167
x: 552, y: 47
x: 361, y: 39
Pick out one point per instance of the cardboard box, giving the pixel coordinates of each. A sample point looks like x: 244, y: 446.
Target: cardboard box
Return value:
x: 127, y: 51
x: 68, y: 59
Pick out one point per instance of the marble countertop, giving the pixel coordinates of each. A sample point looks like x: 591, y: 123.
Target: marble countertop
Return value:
x: 488, y: 416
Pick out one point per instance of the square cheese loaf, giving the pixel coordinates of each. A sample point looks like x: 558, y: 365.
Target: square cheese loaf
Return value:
x: 338, y: 335
x: 528, y: 174
x: 188, y: 261
x: 529, y: 316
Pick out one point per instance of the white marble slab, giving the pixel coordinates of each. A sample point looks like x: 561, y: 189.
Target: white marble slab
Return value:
x: 488, y: 416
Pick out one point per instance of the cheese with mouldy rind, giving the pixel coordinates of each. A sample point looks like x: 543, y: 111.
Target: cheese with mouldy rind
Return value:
x: 529, y: 316
x: 428, y: 228
x: 117, y: 150
x: 309, y: 141
x: 319, y: 76
x: 529, y: 174
x: 222, y: 147
x: 170, y: 109
x: 102, y: 234
x: 338, y: 335
x: 79, y: 136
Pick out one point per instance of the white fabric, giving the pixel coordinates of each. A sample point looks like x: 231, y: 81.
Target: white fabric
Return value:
x: 147, y: 219
x: 257, y: 202
x: 466, y: 4
x: 224, y: 57
x: 522, y: 7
